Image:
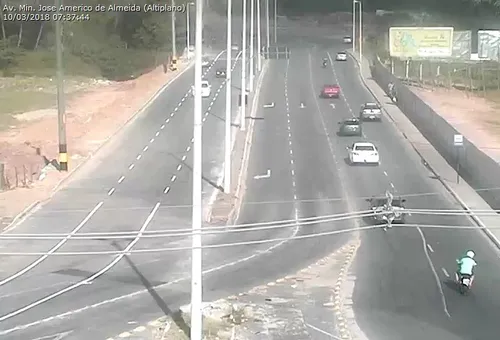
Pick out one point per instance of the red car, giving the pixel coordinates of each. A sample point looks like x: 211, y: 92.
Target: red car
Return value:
x: 330, y: 91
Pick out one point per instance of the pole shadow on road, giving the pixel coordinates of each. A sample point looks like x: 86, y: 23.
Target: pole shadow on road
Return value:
x: 212, y: 183
x: 176, y: 316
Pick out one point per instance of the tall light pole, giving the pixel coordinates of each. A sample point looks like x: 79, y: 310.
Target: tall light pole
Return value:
x: 196, y: 252
x: 61, y: 109
x: 354, y: 26
x: 267, y: 24
x: 259, y: 48
x: 252, y: 33
x: 243, y: 68
x: 275, y: 22
x: 360, y: 35
x: 227, y: 122
x: 174, y: 43
x: 188, y: 34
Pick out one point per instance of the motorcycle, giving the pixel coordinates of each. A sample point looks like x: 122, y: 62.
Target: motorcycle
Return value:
x: 464, y: 284
x: 324, y: 64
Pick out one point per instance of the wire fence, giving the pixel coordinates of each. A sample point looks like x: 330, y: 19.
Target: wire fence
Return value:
x: 467, y: 76
x: 22, y: 176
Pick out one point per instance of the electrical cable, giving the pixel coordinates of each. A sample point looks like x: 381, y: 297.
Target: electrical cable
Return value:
x: 187, y: 232
x: 244, y: 243
x: 322, y: 200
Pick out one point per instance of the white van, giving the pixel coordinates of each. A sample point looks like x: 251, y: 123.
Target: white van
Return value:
x: 206, y: 89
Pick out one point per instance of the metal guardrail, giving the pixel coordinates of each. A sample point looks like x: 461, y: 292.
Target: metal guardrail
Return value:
x: 478, y: 169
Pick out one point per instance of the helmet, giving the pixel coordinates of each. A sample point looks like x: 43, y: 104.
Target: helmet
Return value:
x: 470, y: 254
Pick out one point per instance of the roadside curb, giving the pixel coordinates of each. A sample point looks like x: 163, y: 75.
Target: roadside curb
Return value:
x: 448, y: 188
x: 19, y: 217
x: 123, y: 126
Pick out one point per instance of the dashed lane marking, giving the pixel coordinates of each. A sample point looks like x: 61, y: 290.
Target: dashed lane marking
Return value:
x: 445, y: 272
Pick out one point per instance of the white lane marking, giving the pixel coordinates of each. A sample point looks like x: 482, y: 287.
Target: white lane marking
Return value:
x: 151, y: 140
x: 167, y: 120
x: 438, y: 281
x: 392, y: 185
x: 173, y: 178
x: 445, y: 272
x: 138, y: 157
x: 145, y: 148
x: 121, y: 179
x: 184, y: 158
x: 179, y: 167
x: 322, y: 332
x: 54, y: 248
x: 292, y: 166
x: 430, y: 248
x: 90, y: 278
x: 157, y: 133
x: 188, y: 148
x: 162, y: 127
x: 167, y: 189
x: 111, y: 191
x: 131, y: 166
x: 385, y: 173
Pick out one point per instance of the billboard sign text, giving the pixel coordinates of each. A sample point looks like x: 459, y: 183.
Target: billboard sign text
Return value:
x: 421, y: 42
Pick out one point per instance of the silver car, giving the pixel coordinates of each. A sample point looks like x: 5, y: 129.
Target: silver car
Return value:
x: 370, y: 112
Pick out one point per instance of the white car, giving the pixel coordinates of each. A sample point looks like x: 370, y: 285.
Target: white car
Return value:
x: 206, y: 89
x: 235, y: 48
x: 363, y: 153
x: 347, y: 40
x: 341, y: 56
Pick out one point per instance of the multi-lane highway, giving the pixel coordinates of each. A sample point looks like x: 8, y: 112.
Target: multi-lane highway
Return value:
x: 403, y: 288
x: 142, y: 181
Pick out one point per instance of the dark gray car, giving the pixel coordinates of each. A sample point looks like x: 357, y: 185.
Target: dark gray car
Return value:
x: 350, y: 127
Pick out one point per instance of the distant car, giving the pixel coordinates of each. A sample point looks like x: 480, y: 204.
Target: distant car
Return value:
x: 206, y: 89
x: 205, y: 62
x: 235, y: 48
x: 380, y: 206
x: 370, y: 112
x: 341, y: 56
x: 363, y: 153
x: 220, y: 73
x: 330, y: 91
x: 350, y: 127
x: 347, y: 40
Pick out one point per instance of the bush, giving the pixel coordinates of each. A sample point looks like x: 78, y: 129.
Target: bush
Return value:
x: 43, y: 64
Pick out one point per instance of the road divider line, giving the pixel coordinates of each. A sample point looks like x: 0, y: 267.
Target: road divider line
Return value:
x: 54, y: 248
x: 436, y: 277
x: 90, y: 278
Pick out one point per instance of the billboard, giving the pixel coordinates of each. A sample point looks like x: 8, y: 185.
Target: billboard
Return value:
x: 462, y: 45
x: 421, y: 42
x: 489, y: 44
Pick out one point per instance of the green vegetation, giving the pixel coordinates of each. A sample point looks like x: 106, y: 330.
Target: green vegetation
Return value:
x: 116, y: 45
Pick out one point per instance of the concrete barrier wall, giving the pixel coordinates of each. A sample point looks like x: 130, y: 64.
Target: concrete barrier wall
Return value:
x: 478, y: 169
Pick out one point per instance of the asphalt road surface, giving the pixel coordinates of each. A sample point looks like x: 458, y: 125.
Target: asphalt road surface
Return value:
x: 402, y: 291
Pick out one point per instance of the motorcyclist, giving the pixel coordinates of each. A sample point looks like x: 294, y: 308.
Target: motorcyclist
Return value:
x: 325, y: 62
x: 466, y: 266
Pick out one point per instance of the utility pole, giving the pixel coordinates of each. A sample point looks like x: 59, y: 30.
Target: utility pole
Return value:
x: 243, y: 69
x: 275, y: 22
x: 61, y: 109
x: 188, y: 34
x: 360, y: 35
x: 267, y: 24
x: 196, y: 252
x: 259, y: 48
x: 174, y: 43
x: 353, y: 26
x: 252, y: 33
x: 227, y: 122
